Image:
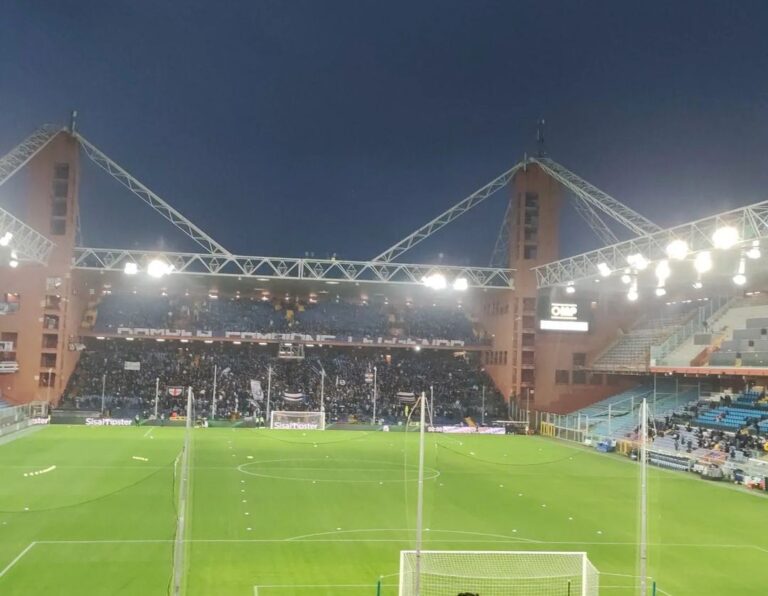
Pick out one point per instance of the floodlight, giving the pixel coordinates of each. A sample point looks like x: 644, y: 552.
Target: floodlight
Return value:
x: 5, y: 240
x: 725, y: 237
x: 436, y: 281
x: 660, y: 291
x: 131, y: 269
x: 703, y: 262
x: 638, y: 261
x: 677, y: 249
x: 604, y: 269
x: 626, y: 278
x: 754, y: 252
x: 417, y: 348
x: 13, y: 263
x: 740, y: 279
x: 570, y: 289
x: 662, y: 271
x: 632, y: 295
x: 697, y: 285
x: 158, y: 268
x: 460, y: 284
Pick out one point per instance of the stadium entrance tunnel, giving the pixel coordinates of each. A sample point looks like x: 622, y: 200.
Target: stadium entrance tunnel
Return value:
x: 336, y: 470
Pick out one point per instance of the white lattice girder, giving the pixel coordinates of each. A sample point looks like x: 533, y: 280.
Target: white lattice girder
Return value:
x: 30, y: 244
x: 110, y: 259
x: 459, y: 209
x: 598, y: 199
x: 594, y: 221
x: 750, y: 221
x: 500, y: 256
x: 20, y: 155
x: 151, y: 198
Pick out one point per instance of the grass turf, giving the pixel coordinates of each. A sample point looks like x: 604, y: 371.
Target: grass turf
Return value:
x: 328, y: 512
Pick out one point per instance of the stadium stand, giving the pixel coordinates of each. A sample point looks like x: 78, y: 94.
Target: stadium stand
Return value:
x: 630, y: 352
x: 334, y: 317
x: 716, y: 339
x: 457, y: 380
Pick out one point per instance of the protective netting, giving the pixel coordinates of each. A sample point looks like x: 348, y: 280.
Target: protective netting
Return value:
x: 297, y: 420
x: 497, y: 573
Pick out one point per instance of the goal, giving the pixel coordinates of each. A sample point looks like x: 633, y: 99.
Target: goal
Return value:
x: 297, y: 420
x: 497, y: 573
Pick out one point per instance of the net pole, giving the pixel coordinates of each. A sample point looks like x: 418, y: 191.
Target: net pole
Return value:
x: 374, y: 394
x: 157, y: 394
x: 644, y: 498
x: 181, y: 520
x: 482, y: 412
x: 213, y: 397
x: 269, y: 394
x: 420, y: 496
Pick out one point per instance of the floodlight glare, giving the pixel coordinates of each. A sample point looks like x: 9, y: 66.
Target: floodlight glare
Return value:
x: 604, y: 269
x: 436, y: 281
x: 632, y: 295
x: 131, y: 269
x: 637, y: 261
x: 5, y: 240
x: 660, y: 291
x: 460, y: 284
x: 662, y: 271
x: 570, y: 289
x: 725, y: 237
x: 13, y: 263
x: 754, y: 252
x: 740, y: 279
x: 158, y: 268
x: 677, y: 250
x: 625, y: 279
x: 697, y: 285
x: 703, y: 262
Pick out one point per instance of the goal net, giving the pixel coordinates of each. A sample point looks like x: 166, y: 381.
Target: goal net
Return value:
x: 496, y: 573
x: 297, y: 420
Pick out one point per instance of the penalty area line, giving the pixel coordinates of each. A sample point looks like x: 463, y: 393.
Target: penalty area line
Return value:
x: 17, y: 559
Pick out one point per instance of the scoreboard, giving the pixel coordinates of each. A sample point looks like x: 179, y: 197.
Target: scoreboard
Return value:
x: 563, y: 314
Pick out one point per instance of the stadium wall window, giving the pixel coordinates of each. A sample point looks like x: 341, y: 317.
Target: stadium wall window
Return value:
x: 529, y: 304
x: 562, y: 377
x: 529, y: 252
x: 579, y: 359
x: 531, y: 200
x: 596, y: 379
x: 526, y: 375
x: 61, y: 171
x: 59, y: 208
x: 47, y: 360
x: 579, y: 377
x: 60, y: 189
x: 505, y: 357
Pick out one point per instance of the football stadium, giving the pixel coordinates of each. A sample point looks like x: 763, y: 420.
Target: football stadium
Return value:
x: 210, y: 423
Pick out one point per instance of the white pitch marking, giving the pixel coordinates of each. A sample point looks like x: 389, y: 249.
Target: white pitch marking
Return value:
x: 149, y: 432
x: 17, y: 559
x: 139, y: 458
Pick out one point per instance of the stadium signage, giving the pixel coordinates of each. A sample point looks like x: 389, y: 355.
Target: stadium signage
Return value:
x: 108, y: 422
x: 463, y: 430
x: 294, y: 337
x: 296, y: 425
x: 559, y: 311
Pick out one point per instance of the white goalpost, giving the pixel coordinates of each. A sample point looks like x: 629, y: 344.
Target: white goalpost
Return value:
x: 497, y: 573
x: 297, y: 420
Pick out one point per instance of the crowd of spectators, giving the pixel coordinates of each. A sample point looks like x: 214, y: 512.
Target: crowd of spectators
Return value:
x: 688, y: 436
x: 330, y: 317
x: 347, y: 382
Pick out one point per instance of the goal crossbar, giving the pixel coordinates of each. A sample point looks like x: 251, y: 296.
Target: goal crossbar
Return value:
x: 295, y: 420
x: 496, y: 573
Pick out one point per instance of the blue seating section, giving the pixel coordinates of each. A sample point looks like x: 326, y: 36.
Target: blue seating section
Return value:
x: 731, y: 417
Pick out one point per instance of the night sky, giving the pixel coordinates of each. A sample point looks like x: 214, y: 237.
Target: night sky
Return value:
x: 340, y: 126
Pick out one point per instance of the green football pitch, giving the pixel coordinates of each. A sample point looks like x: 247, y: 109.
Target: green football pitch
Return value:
x: 88, y: 510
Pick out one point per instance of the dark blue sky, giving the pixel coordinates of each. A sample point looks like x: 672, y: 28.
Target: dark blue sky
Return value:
x: 282, y: 127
